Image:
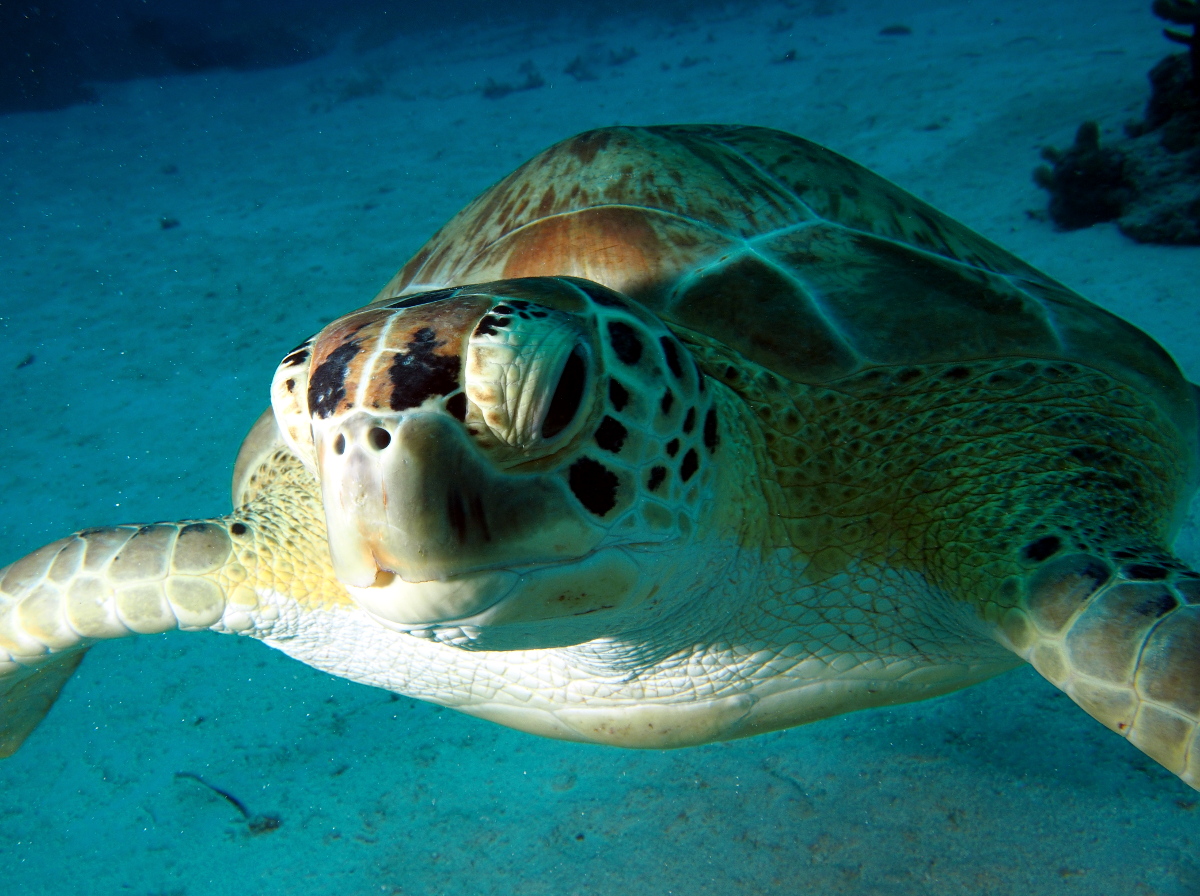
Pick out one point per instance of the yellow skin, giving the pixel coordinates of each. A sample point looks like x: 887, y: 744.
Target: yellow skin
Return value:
x: 881, y: 509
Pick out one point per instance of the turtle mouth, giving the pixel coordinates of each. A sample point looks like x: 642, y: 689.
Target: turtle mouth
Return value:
x: 410, y: 495
x: 394, y: 600
x: 600, y: 581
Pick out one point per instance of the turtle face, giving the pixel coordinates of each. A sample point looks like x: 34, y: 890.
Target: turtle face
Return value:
x: 525, y: 453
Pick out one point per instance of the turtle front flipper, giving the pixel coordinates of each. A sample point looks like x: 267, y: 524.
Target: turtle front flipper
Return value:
x: 1121, y: 637
x: 108, y: 583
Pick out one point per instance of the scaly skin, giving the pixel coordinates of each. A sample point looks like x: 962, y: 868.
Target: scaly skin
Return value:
x: 877, y: 551
x: 124, y: 580
x: 932, y: 462
x: 1042, y: 494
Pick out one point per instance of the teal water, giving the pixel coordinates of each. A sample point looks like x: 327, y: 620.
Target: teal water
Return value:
x: 134, y: 357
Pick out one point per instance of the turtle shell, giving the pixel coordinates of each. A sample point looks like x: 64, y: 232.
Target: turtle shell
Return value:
x: 793, y: 256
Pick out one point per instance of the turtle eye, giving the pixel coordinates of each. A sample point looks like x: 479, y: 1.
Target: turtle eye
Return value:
x: 568, y: 395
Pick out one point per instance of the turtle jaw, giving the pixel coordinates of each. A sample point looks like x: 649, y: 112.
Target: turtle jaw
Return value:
x: 410, y: 502
x: 549, y: 605
x: 429, y: 537
x: 403, y: 605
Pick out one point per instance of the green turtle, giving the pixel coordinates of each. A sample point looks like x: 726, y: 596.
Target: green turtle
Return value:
x: 680, y: 434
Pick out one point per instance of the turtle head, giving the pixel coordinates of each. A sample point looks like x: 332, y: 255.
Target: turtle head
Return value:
x: 522, y: 457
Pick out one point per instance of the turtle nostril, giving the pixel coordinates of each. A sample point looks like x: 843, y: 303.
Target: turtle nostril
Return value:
x: 339, y: 444
x: 379, y: 438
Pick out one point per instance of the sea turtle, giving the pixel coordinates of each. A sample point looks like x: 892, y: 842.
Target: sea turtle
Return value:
x: 680, y: 434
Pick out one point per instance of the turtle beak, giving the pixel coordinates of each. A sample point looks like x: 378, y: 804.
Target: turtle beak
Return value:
x: 352, y: 489
x: 409, y: 496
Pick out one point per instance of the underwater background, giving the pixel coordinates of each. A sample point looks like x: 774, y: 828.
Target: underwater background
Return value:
x: 187, y: 190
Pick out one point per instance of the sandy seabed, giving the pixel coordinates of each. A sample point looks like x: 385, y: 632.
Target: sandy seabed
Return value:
x: 134, y: 357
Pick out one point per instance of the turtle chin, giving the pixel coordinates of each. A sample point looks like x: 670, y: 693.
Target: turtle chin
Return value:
x: 552, y: 605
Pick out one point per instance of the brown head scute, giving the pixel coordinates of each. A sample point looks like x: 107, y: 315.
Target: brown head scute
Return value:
x: 586, y: 146
x: 327, y: 385
x: 420, y: 373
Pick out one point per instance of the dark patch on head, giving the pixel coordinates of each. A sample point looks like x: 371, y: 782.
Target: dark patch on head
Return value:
x: 1144, y: 572
x: 503, y: 309
x: 672, y: 447
x: 238, y: 529
x: 490, y: 323
x: 568, y: 396
x: 1159, y: 605
x: 671, y: 352
x: 1088, y: 454
x: 424, y: 298
x: 327, y: 385
x: 585, y: 146
x: 419, y: 373
x: 689, y: 422
x: 610, y: 435
x: 1039, y: 550
x: 689, y: 466
x: 600, y: 295
x: 456, y: 406
x: 299, y: 356
x: 1097, y: 572
x: 908, y: 375
x: 711, y: 437
x: 594, y: 485
x: 618, y: 395
x: 291, y: 385
x: 656, y: 477
x: 667, y: 402
x: 625, y: 342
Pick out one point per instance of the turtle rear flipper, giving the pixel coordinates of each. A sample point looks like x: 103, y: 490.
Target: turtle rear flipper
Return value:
x: 1121, y: 639
x: 26, y: 697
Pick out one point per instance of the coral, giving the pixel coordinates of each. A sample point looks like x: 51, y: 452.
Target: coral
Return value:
x: 1148, y: 182
x: 1183, y: 12
x: 579, y: 69
x: 584, y: 66
x: 1088, y: 183
x: 494, y: 90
